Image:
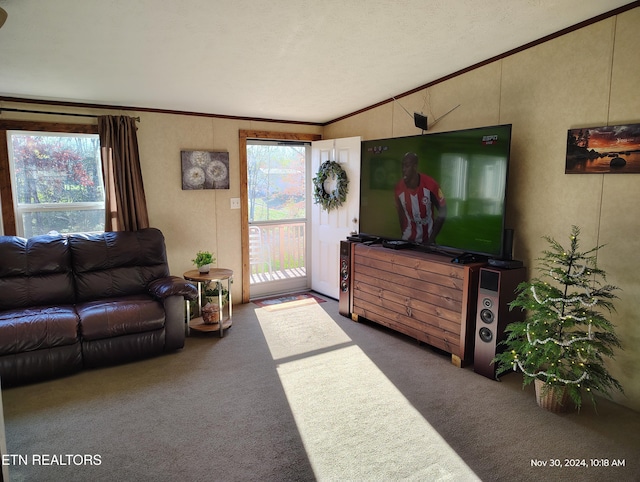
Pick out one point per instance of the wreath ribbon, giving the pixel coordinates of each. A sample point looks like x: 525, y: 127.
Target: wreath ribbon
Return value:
x: 334, y: 199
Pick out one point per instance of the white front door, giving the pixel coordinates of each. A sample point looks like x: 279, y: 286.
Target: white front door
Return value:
x: 329, y: 228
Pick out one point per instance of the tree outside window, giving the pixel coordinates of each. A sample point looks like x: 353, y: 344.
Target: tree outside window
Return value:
x: 57, y: 182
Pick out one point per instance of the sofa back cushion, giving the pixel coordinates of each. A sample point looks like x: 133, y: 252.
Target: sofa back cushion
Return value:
x: 35, y: 272
x: 115, y: 264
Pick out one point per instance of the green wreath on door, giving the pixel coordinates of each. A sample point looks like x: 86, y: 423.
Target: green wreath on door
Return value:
x: 335, y: 198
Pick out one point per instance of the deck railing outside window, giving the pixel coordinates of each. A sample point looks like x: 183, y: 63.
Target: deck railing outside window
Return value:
x: 277, y: 251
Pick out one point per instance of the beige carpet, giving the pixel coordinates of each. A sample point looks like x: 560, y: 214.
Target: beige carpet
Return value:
x: 305, y: 394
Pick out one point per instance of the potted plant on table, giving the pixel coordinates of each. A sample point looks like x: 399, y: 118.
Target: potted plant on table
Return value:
x: 203, y: 261
x: 566, y: 334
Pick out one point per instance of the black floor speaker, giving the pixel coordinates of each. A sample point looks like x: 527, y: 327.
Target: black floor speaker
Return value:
x: 345, y: 299
x: 496, y: 289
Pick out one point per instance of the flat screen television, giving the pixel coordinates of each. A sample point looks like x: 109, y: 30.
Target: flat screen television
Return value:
x: 470, y: 167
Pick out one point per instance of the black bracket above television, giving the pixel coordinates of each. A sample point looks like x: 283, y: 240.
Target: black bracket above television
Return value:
x: 420, y: 121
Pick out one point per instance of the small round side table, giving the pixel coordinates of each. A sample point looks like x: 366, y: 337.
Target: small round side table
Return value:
x: 218, y: 276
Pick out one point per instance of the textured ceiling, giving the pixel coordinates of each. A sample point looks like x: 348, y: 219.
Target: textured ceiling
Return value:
x: 301, y: 60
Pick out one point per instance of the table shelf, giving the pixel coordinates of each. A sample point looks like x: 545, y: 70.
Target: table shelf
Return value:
x: 199, y: 325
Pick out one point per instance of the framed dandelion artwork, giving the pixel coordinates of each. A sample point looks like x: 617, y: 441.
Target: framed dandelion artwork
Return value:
x: 205, y: 170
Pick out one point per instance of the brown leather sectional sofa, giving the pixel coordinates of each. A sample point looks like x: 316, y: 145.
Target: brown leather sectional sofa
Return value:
x: 77, y: 301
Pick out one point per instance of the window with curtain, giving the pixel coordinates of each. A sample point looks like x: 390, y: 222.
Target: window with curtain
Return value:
x: 56, y: 181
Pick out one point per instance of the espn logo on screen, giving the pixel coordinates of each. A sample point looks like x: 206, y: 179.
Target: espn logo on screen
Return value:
x: 489, y: 140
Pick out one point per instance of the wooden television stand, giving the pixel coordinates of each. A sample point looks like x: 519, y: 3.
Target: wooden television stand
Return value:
x: 422, y: 295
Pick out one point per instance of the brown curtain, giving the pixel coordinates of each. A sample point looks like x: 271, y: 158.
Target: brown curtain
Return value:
x: 126, y: 204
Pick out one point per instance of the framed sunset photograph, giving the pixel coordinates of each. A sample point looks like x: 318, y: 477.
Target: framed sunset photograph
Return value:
x: 603, y: 150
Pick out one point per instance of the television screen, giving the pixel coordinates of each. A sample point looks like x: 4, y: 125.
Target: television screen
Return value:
x: 444, y: 191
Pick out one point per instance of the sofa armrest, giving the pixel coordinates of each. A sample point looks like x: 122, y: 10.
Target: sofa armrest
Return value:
x: 162, y: 288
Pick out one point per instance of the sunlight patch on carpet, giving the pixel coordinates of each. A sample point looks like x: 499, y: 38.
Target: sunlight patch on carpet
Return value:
x: 289, y: 333
x: 286, y: 302
x: 355, y: 424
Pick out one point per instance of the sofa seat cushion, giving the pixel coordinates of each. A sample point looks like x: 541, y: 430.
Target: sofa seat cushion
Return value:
x: 37, y: 328
x: 120, y: 316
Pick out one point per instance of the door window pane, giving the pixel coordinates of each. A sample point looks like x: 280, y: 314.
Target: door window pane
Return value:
x: 277, y: 188
x: 276, y: 182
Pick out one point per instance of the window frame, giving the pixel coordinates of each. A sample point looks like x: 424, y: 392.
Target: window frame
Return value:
x: 6, y: 192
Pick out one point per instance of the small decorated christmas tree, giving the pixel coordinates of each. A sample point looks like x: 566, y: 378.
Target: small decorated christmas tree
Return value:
x: 566, y: 333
